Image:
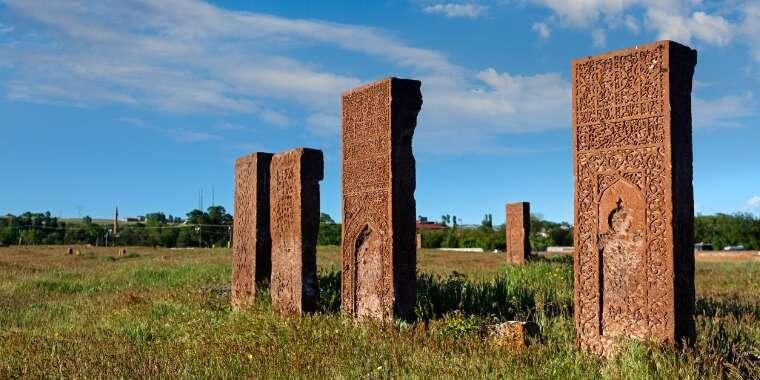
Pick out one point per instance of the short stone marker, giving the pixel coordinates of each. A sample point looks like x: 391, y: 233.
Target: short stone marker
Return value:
x: 379, y: 256
x: 513, y: 334
x: 634, y: 206
x: 518, y: 232
x: 419, y: 241
x: 252, y: 245
x: 294, y: 192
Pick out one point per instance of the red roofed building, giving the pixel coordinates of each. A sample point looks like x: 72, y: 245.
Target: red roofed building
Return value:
x: 424, y: 224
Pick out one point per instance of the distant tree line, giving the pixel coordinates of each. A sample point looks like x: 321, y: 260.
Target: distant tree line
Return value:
x: 213, y: 227
x: 489, y: 237
x: 722, y: 230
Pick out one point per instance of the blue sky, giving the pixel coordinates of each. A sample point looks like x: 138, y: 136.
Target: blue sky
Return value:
x: 143, y: 103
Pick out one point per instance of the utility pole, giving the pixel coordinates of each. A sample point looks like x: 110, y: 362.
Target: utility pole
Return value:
x: 115, y: 225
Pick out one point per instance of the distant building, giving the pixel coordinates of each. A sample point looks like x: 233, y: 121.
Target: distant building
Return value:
x: 136, y: 219
x: 424, y: 224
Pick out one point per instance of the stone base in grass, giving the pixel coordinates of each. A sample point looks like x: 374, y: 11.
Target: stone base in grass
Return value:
x: 513, y: 334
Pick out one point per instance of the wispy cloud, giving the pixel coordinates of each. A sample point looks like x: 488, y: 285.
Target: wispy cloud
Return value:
x: 542, y: 29
x: 753, y: 203
x: 723, y: 112
x: 598, y: 37
x: 187, y: 56
x: 456, y: 10
x: 683, y: 21
x: 189, y: 136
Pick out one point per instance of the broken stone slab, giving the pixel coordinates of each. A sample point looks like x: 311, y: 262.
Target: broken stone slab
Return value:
x: 513, y: 334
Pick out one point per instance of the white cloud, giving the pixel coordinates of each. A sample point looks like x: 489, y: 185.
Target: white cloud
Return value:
x: 670, y: 19
x: 324, y: 124
x: 189, y: 136
x: 454, y: 10
x: 631, y: 24
x: 750, y: 28
x: 187, y: 56
x: 598, y: 37
x: 754, y: 203
x: 714, y: 30
x: 584, y: 12
x: 190, y: 57
x: 723, y: 112
x: 542, y: 30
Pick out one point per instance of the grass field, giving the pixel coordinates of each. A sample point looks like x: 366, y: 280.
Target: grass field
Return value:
x: 165, y: 313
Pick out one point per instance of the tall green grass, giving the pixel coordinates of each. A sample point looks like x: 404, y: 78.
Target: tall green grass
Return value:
x: 166, y: 314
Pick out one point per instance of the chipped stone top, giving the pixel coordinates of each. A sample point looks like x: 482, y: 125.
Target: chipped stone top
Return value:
x: 251, y: 158
x: 311, y: 161
x: 630, y: 50
x: 380, y: 82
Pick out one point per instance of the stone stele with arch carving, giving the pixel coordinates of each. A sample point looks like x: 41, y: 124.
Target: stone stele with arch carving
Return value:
x: 634, y: 207
x: 378, y: 237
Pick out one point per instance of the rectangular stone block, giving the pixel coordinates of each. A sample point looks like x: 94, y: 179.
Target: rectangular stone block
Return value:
x: 419, y: 241
x: 251, y: 243
x: 294, y: 193
x: 634, y: 206
x: 513, y: 334
x: 378, y: 249
x: 518, y: 232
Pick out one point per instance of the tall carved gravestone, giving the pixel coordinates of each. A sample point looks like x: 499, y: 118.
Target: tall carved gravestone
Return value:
x: 379, y: 256
x: 294, y: 193
x: 518, y: 232
x: 251, y: 243
x: 634, y: 207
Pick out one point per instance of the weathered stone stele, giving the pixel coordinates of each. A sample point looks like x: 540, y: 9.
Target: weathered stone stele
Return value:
x: 251, y: 243
x: 634, y: 207
x: 379, y: 256
x: 294, y: 192
x: 419, y: 241
x: 518, y: 232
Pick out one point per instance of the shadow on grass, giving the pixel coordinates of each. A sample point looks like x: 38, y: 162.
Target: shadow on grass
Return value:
x: 712, y: 307
x: 503, y: 298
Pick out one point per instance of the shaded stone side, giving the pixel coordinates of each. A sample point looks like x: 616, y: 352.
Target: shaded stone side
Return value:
x: 294, y: 192
x: 518, y: 232
x: 632, y: 162
x: 378, y: 236
x: 251, y: 243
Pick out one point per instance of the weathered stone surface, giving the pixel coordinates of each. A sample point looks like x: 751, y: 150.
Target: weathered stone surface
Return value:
x: 634, y: 207
x: 513, y: 334
x: 252, y: 245
x: 294, y: 192
x: 419, y: 241
x: 379, y: 256
x: 518, y: 232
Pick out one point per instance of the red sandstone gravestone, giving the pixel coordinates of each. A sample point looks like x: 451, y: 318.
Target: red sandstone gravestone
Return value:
x: 251, y: 247
x: 378, y: 249
x: 518, y: 232
x: 633, y: 259
x: 294, y: 194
